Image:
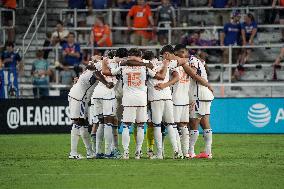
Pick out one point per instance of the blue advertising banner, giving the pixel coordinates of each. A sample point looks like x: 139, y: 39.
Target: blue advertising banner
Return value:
x: 247, y: 115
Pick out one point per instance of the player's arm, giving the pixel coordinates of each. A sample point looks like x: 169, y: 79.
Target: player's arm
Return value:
x: 172, y: 81
x: 101, y: 78
x: 192, y: 72
x: 279, y: 57
x: 160, y: 75
x: 105, y: 69
x: 253, y: 33
x: 244, y: 37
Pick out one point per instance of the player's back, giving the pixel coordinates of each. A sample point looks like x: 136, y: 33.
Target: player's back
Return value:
x: 79, y: 90
x: 181, y: 88
x: 134, y: 85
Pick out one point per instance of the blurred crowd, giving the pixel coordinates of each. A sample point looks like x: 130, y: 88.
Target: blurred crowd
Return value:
x: 239, y: 28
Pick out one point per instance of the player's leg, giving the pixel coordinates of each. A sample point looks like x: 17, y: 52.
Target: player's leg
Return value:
x: 207, y: 131
x: 184, y: 121
x: 74, y: 106
x: 194, y: 133
x: 141, y: 119
x: 128, y: 117
x: 108, y: 112
x: 115, y: 149
x: 150, y: 139
x: 177, y: 118
x: 97, y: 113
x: 168, y: 117
x: 156, y: 115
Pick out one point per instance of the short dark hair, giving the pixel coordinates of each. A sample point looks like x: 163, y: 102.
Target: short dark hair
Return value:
x: 178, y: 47
x: 71, y: 33
x: 148, y: 55
x: 121, y: 53
x: 111, y: 54
x: 59, y: 22
x: 135, y: 52
x: 39, y: 53
x: 167, y: 48
x: 9, y: 44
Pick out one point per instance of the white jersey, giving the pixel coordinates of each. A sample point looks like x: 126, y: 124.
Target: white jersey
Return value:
x: 199, y: 92
x: 181, y: 88
x: 101, y: 91
x: 81, y: 88
x: 166, y: 93
x: 134, y: 85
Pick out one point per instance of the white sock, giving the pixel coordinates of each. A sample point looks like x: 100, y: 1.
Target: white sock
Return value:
x: 158, y: 139
x: 75, y: 135
x: 99, y: 138
x: 173, y: 138
x: 207, y: 136
x: 86, y: 139
x: 185, y: 140
x: 192, y: 140
x: 125, y: 138
x: 178, y: 141
x: 93, y: 136
x: 139, y: 138
x: 108, y: 138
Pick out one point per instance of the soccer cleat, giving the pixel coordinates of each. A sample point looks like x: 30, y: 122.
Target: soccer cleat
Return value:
x: 150, y: 153
x: 176, y: 155
x: 191, y: 156
x: 116, y: 154
x: 204, y: 155
x: 76, y: 156
x: 100, y: 156
x: 137, y: 155
x: 126, y: 155
x: 180, y: 156
x: 110, y: 156
x: 91, y: 155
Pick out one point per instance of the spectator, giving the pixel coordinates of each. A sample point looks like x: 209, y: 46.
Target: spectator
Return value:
x: 248, y: 31
x: 71, y: 52
x: 8, y: 18
x: 165, y: 17
x: 2, y: 83
x: 11, y: 60
x: 222, y: 17
x: 47, y: 43
x: 100, y: 34
x: 279, y: 57
x: 66, y: 77
x: 60, y: 34
x: 281, y: 15
x: 81, y: 16
x: 40, y: 73
x: 142, y: 18
x: 230, y: 34
x: 124, y: 4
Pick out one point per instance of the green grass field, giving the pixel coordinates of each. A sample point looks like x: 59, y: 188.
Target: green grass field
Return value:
x: 240, y: 161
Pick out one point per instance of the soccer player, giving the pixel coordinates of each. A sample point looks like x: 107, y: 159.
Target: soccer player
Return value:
x: 181, y: 100
x: 134, y: 100
x: 104, y: 104
x: 160, y: 98
x: 78, y: 98
x: 202, y: 95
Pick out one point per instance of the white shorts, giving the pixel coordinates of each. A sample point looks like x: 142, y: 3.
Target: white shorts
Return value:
x: 102, y: 108
x: 200, y: 109
x: 78, y: 108
x: 181, y: 114
x: 134, y: 114
x: 162, y: 110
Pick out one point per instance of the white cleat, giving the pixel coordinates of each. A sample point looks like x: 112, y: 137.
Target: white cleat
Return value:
x: 91, y: 156
x: 157, y: 157
x: 138, y: 155
x: 125, y: 155
x: 191, y: 156
x: 76, y: 156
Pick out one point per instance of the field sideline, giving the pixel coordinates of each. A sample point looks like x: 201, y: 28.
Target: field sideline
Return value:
x: 240, y: 161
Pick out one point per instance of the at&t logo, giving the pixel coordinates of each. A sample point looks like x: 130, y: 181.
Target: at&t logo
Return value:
x: 259, y: 115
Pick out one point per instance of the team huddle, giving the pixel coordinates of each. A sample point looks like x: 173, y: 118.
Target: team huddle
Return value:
x: 172, y: 96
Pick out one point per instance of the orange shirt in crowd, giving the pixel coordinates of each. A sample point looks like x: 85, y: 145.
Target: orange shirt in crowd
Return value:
x: 99, y: 32
x: 12, y: 4
x: 140, y: 16
x: 281, y: 2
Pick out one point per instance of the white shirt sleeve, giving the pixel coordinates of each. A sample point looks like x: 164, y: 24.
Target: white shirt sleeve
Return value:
x: 115, y: 71
x: 173, y: 64
x: 151, y: 73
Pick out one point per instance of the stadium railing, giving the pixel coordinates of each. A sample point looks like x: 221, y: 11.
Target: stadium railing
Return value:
x: 37, y: 23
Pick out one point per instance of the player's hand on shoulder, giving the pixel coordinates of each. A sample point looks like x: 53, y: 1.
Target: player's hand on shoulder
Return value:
x: 150, y: 66
x: 110, y: 85
x: 166, y: 62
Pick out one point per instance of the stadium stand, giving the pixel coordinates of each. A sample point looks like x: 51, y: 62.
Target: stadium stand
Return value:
x: 259, y: 78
